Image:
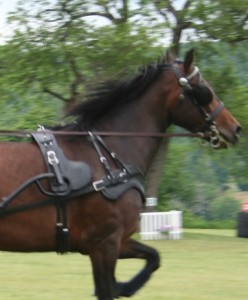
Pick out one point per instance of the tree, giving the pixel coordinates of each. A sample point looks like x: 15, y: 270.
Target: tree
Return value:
x: 74, y: 42
x: 67, y: 49
x: 176, y: 19
x: 204, y: 19
x: 217, y: 18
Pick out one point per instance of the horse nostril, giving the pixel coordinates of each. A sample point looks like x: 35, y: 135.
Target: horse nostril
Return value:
x: 238, y: 130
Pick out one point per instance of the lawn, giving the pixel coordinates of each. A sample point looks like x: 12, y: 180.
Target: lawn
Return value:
x: 204, y: 265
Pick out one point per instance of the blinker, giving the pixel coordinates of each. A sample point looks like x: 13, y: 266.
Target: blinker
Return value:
x: 202, y: 95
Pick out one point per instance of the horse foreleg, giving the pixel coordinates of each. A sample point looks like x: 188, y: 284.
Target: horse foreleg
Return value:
x: 134, y: 249
x: 103, y: 260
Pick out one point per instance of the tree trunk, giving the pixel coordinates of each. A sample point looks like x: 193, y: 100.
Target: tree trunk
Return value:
x: 154, y: 174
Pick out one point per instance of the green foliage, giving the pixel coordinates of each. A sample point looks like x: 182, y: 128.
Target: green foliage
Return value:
x: 177, y: 184
x: 201, y: 182
x: 27, y: 111
x: 192, y: 221
x: 65, y: 50
x: 223, y: 208
x: 119, y: 48
x: 221, y: 19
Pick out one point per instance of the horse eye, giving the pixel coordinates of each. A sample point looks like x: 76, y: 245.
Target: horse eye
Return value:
x: 202, y: 95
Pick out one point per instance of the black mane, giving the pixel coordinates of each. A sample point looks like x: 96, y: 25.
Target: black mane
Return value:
x: 112, y: 95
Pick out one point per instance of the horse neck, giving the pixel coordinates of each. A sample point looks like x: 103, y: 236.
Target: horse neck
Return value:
x: 146, y: 115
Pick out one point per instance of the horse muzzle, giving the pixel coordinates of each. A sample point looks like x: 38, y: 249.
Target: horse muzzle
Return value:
x: 221, y: 140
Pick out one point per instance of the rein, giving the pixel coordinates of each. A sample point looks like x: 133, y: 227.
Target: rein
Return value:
x: 184, y: 82
x: 28, y: 134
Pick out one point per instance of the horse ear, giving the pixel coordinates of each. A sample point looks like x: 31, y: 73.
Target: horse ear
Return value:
x: 188, y: 60
x: 169, y: 56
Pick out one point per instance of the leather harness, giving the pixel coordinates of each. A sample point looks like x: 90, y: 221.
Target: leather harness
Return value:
x: 70, y: 179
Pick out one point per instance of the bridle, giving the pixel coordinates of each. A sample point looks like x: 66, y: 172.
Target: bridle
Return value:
x: 215, y: 137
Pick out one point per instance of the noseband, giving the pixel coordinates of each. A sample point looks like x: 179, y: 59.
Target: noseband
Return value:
x: 210, y: 125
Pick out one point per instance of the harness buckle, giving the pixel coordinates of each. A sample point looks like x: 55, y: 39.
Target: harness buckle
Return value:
x: 52, y: 158
x: 98, y: 185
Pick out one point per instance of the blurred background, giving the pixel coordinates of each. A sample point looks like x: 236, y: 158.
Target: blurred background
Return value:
x: 52, y: 52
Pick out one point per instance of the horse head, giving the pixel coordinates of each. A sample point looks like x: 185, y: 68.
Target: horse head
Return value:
x: 198, y: 109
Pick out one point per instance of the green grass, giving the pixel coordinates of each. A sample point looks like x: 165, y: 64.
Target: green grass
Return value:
x: 204, y: 265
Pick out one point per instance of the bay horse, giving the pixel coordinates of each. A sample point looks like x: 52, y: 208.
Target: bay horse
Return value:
x: 45, y: 209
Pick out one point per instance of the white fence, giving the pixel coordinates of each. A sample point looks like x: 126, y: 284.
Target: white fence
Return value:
x: 161, y: 225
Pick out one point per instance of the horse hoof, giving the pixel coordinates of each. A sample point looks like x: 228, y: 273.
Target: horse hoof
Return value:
x: 122, y: 290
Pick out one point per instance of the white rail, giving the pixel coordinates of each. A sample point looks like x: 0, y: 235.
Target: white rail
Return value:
x: 161, y: 225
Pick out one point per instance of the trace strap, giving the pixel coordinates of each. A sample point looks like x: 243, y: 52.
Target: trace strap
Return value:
x: 95, y: 139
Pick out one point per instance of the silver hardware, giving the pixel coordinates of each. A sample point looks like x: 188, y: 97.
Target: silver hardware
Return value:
x: 215, y: 143
x: 46, y: 142
x: 183, y: 82
x: 41, y: 128
x: 214, y: 137
x: 123, y: 175
x: 90, y: 134
x: 96, y: 187
x: 52, y: 158
x: 193, y: 74
x: 103, y: 159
